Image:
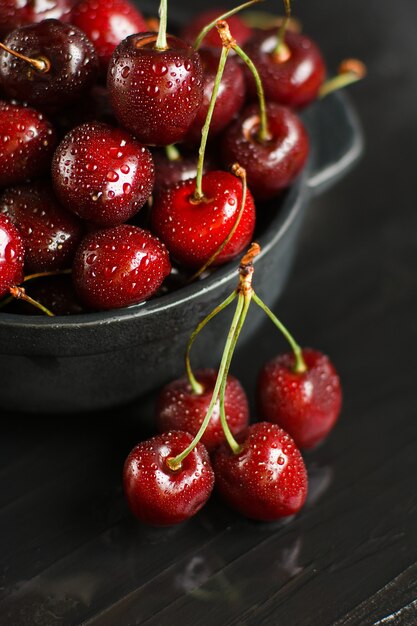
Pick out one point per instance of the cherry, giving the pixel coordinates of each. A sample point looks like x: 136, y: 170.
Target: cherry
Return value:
x: 155, y: 92
x: 230, y: 96
x: 306, y: 404
x: 102, y: 174
x: 190, y: 32
x: 106, y: 23
x: 179, y: 407
x: 11, y: 256
x: 28, y: 142
x: 290, y: 76
x: 56, y: 293
x: 169, y: 171
x: 193, y: 230
x: 119, y: 266
x: 159, y: 495
x: 266, y: 479
x: 15, y: 13
x: 50, y: 233
x: 59, y: 64
x: 271, y: 164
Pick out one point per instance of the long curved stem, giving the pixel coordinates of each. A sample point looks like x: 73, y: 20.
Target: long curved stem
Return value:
x: 20, y: 294
x: 223, y: 16
x: 161, y: 42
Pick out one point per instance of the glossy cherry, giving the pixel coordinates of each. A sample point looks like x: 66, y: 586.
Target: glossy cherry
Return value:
x: 169, y: 172
x: 69, y: 64
x: 102, y: 174
x: 273, y: 164
x: 50, y: 233
x: 27, y: 144
x: 293, y: 78
x: 161, y: 496
x: 11, y: 256
x: 16, y: 13
x: 305, y: 404
x: 119, y: 266
x: 106, y: 23
x: 190, y: 32
x: 194, y: 230
x: 267, y: 479
x: 182, y: 409
x: 155, y: 93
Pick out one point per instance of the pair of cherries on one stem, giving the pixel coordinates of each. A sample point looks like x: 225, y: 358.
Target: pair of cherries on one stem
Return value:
x: 260, y: 473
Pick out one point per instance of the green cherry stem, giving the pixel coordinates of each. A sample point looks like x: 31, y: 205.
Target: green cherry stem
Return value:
x: 161, y: 42
x: 30, y: 277
x: 224, y: 16
x: 172, y: 152
x: 20, y: 294
x: 300, y: 365
x: 281, y: 50
x: 350, y: 71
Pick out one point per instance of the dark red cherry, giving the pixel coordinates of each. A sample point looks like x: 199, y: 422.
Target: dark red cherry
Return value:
x: 102, y: 174
x: 179, y: 408
x: 70, y: 65
x: 119, y: 266
x: 15, y: 13
x: 293, y: 79
x: 56, y: 293
x: 230, y: 97
x: 238, y: 28
x: 50, y: 233
x: 193, y: 231
x: 169, y: 172
x: 11, y: 256
x: 306, y: 404
x: 27, y: 143
x: 106, y: 23
x: 267, y: 479
x: 272, y: 165
x: 161, y: 496
x: 155, y: 94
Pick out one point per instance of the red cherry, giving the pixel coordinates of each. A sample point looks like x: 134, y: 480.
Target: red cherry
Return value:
x: 119, y: 266
x: 230, y: 97
x: 106, y: 23
x: 306, y: 404
x: 102, y: 174
x: 238, y: 28
x: 161, y: 496
x: 182, y: 409
x: 27, y: 144
x: 267, y: 479
x: 294, y: 80
x: 273, y: 165
x: 154, y: 93
x: 50, y: 234
x: 169, y: 172
x: 15, y: 13
x: 193, y: 231
x: 11, y: 256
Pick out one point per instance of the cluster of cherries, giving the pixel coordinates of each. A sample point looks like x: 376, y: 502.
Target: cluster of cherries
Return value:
x: 92, y: 100
x: 206, y: 438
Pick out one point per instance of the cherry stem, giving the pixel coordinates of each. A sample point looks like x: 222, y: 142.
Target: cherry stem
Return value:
x: 227, y: 40
x: 240, y: 172
x: 281, y: 48
x: 223, y: 16
x: 172, y: 152
x: 196, y: 386
x: 350, y: 71
x: 263, y: 134
x: 20, y: 294
x: 161, y: 42
x: 29, y: 277
x: 41, y: 64
x: 300, y: 365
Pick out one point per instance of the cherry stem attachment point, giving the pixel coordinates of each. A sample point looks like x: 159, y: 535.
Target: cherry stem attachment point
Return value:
x: 223, y: 16
x: 281, y: 51
x: 161, y: 42
x: 350, y: 71
x: 172, y: 152
x: 20, y: 294
x: 40, y: 64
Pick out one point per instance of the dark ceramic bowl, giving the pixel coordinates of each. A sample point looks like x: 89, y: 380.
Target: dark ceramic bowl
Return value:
x: 97, y: 360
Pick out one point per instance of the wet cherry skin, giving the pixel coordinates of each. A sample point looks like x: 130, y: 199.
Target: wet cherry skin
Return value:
x: 267, y: 479
x: 158, y: 495
x: 27, y: 144
x: 179, y: 408
x: 72, y: 58
x: 307, y: 404
x: 102, y: 174
x: 193, y: 231
x: 169, y: 172
x: 11, y: 256
x: 120, y: 266
x: 273, y: 165
x: 238, y: 28
x: 106, y: 23
x: 155, y: 94
x: 294, y: 81
x: 15, y: 13
x: 50, y: 233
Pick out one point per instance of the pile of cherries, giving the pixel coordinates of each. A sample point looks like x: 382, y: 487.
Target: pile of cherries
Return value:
x: 96, y: 201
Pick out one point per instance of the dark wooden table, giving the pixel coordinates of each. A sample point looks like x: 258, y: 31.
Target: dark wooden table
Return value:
x: 70, y: 551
